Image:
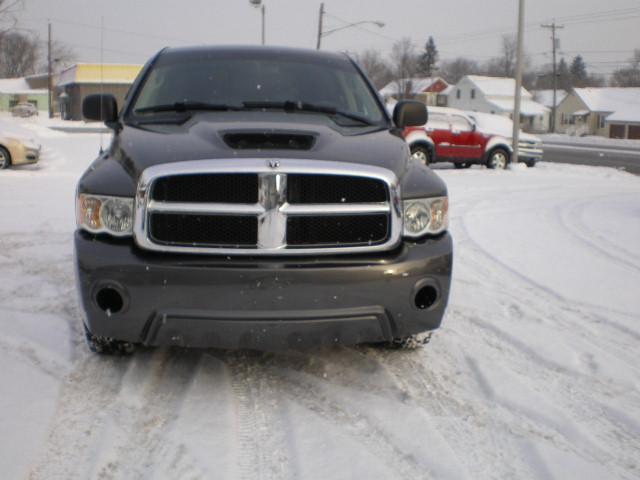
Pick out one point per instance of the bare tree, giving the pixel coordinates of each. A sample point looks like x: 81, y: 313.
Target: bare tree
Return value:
x: 62, y: 56
x: 18, y: 54
x: 8, y: 12
x: 453, y: 70
x: 504, y: 65
x: 629, y: 76
x: 508, y: 55
x: 404, y: 61
x: 376, y: 67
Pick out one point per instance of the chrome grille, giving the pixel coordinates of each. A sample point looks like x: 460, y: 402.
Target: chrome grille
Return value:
x: 284, y: 207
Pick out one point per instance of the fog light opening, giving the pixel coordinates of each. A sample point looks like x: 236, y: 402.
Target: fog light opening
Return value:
x: 109, y: 300
x: 426, y: 297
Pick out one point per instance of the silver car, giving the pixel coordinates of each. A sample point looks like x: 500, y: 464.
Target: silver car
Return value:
x: 24, y: 109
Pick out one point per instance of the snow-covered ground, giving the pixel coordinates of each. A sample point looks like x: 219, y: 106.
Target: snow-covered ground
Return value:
x: 535, y: 373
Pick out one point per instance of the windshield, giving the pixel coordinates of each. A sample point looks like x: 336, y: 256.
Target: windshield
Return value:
x: 258, y: 82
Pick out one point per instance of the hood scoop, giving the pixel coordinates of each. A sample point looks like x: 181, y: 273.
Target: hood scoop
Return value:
x: 269, y: 140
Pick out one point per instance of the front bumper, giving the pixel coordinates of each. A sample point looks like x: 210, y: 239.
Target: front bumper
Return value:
x: 261, y: 303
x: 529, y: 153
x: 24, y: 155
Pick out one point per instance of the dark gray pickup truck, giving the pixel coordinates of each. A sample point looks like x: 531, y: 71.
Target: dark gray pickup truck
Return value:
x: 258, y: 198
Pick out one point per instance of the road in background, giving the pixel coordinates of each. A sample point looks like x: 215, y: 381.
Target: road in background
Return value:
x: 620, y: 157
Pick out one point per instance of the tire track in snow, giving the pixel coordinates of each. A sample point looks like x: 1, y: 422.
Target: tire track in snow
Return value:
x: 152, y: 391
x: 265, y: 451
x: 582, y: 401
x: 580, y: 308
x: 573, y: 211
x: 356, y: 423
x: 84, y: 401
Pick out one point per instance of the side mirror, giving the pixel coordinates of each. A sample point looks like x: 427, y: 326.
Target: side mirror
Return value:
x: 409, y: 113
x: 101, y: 107
x: 474, y: 127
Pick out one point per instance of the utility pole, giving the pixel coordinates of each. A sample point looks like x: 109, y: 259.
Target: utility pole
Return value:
x: 50, y: 74
x: 320, y: 18
x: 518, y: 94
x: 554, y: 47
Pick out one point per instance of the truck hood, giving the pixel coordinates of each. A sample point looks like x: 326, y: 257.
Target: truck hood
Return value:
x: 204, y: 137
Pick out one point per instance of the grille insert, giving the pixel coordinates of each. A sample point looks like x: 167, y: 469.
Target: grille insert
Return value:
x: 303, y: 188
x: 207, y: 188
x: 337, y: 230
x: 204, y: 230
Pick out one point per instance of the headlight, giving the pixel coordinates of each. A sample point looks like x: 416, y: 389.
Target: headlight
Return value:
x: 102, y: 214
x: 424, y: 216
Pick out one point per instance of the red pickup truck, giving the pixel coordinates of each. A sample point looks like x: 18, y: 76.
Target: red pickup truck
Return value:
x: 465, y: 139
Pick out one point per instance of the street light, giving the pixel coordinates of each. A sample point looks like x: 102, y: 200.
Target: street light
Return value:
x: 260, y: 5
x: 324, y: 33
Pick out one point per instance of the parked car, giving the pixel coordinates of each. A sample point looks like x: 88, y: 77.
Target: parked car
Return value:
x: 455, y: 136
x: 17, y: 150
x: 258, y: 198
x: 24, y: 109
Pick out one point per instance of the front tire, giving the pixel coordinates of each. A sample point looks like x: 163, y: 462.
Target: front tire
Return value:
x: 498, y: 159
x: 411, y: 342
x: 5, y: 158
x: 421, y: 154
x: 107, y: 345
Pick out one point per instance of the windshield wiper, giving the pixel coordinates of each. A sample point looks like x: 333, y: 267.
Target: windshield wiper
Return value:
x: 290, y: 106
x: 186, y: 106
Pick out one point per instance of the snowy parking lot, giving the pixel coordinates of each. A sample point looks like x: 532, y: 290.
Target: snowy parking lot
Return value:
x: 535, y: 373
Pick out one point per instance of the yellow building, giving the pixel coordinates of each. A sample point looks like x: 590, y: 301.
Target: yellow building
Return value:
x: 82, y: 79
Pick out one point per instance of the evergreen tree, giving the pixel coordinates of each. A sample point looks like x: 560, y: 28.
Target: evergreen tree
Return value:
x: 429, y: 58
x: 564, y: 75
x: 578, y: 70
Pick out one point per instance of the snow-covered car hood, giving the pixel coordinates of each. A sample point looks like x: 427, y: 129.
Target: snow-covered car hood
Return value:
x: 489, y: 124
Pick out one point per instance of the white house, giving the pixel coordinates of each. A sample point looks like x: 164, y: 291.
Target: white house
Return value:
x: 496, y: 95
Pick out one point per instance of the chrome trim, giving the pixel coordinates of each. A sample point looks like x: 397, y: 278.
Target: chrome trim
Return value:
x: 218, y: 208
x: 335, y: 208
x: 272, y: 208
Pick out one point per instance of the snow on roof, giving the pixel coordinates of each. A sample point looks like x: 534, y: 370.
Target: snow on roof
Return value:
x: 609, y: 99
x: 18, y: 86
x: 527, y: 107
x: 418, y: 85
x: 448, y: 90
x: 625, y: 115
x: 545, y: 97
x: 497, y: 86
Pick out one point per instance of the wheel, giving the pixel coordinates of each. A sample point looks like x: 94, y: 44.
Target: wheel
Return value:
x: 459, y: 165
x: 530, y: 163
x: 5, y: 158
x: 498, y: 159
x: 107, y: 345
x: 411, y: 342
x: 421, y: 154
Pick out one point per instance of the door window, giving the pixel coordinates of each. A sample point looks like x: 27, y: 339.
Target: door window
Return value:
x: 438, y: 121
x: 460, y: 124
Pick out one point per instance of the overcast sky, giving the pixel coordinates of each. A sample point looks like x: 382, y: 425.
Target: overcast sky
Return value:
x: 604, y: 32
